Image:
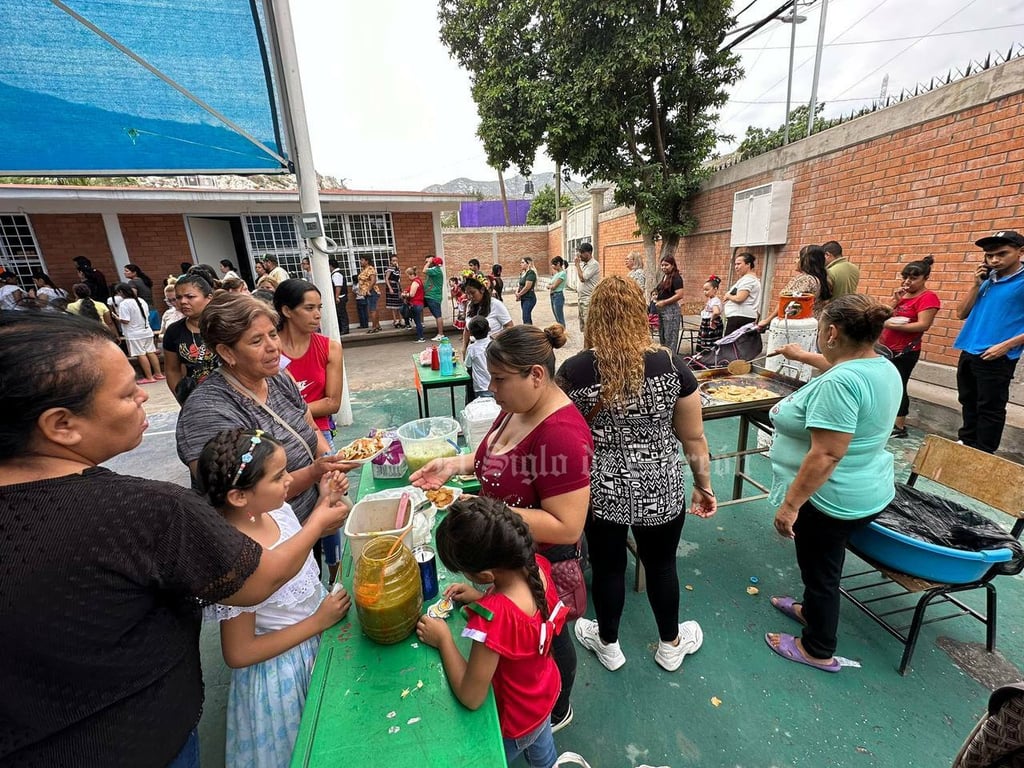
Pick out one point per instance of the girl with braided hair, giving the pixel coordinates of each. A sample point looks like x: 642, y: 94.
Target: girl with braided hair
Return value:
x: 270, y: 646
x: 512, y: 624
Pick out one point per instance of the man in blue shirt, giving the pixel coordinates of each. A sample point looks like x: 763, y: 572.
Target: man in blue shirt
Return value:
x: 990, y: 340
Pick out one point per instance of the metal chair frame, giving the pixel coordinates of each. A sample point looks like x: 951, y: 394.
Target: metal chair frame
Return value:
x: 970, y: 472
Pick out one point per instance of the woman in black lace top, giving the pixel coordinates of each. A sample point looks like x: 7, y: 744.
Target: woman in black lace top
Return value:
x: 104, y: 574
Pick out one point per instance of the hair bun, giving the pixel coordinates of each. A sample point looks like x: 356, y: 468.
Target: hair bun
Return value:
x: 556, y: 335
x: 929, y: 260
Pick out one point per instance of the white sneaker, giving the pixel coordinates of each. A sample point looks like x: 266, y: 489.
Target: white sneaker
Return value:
x: 437, y: 338
x: 557, y: 725
x: 669, y: 656
x: 609, y: 654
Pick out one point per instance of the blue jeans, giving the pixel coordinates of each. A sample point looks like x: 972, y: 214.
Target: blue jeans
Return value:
x: 363, y: 312
x: 189, y: 755
x: 371, y: 301
x: 558, y: 307
x: 416, y: 311
x: 434, y: 306
x: 332, y: 548
x: 528, y: 303
x: 539, y: 746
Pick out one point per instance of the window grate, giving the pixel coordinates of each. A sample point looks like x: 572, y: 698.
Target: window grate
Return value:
x: 19, y: 252
x: 276, y: 236
x: 362, y: 234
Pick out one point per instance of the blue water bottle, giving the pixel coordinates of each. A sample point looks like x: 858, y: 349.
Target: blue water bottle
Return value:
x: 445, y: 353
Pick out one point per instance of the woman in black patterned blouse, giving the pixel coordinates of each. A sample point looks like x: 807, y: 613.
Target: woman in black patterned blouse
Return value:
x: 641, y: 402
x: 101, y: 631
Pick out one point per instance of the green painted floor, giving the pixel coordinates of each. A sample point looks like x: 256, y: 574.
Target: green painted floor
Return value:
x: 770, y: 712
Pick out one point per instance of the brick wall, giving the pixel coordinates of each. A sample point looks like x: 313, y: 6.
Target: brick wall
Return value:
x: 158, y: 244
x: 929, y: 188
x: 512, y: 243
x: 414, y: 237
x: 62, y: 237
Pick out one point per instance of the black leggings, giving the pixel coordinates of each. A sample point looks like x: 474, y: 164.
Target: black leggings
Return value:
x: 563, y: 651
x: 820, y: 552
x: 905, y: 365
x: 656, y: 547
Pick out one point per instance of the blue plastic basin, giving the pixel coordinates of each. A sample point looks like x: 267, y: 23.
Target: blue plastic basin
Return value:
x: 927, y: 561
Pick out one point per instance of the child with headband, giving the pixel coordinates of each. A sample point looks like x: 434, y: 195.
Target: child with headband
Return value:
x: 271, y: 646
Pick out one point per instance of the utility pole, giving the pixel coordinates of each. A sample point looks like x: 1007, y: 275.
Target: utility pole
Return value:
x: 817, y: 66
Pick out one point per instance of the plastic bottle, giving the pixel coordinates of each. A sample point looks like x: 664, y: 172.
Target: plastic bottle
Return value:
x: 446, y: 355
x: 435, y: 360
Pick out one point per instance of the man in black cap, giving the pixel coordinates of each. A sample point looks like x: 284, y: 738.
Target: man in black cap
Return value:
x: 991, y: 339
x: 93, y: 278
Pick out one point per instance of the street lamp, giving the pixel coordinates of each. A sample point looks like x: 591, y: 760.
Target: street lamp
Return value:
x: 792, y: 18
x: 528, y: 188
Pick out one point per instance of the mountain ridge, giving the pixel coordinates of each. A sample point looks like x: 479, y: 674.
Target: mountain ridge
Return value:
x: 514, y: 187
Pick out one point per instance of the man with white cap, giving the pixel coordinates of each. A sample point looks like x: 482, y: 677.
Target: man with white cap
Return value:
x: 991, y: 339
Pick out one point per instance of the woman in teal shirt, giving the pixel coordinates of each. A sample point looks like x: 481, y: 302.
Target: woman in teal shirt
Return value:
x: 831, y: 472
x: 557, y: 290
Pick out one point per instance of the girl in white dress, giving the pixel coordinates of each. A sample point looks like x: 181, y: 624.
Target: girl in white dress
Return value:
x: 271, y: 646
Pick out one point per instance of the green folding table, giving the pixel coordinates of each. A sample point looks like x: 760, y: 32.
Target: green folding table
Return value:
x: 426, y: 379
x: 356, y: 713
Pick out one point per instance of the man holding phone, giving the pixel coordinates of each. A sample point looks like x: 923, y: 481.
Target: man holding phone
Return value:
x: 991, y: 339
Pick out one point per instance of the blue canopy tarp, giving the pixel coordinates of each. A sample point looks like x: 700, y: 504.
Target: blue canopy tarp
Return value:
x: 71, y: 102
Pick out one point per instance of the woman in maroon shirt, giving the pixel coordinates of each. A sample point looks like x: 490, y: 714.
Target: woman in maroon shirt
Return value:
x: 535, y: 458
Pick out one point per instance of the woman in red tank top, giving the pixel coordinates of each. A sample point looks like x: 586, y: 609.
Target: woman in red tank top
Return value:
x: 315, y: 362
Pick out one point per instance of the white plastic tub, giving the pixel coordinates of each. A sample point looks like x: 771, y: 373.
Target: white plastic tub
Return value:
x: 374, y: 517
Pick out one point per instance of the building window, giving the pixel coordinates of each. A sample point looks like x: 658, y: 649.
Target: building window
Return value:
x: 276, y: 236
x: 356, y: 234
x: 362, y: 234
x: 19, y: 252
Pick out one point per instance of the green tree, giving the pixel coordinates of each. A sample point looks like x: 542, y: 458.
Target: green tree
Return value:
x: 622, y: 91
x: 542, y: 209
x: 757, y: 141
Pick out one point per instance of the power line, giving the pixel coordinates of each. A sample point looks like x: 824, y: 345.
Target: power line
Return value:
x: 782, y: 101
x: 807, y: 61
x: 907, y: 48
x: 900, y: 39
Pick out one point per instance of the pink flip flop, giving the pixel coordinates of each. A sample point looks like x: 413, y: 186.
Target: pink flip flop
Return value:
x: 788, y: 650
x: 146, y: 381
x: 785, y: 606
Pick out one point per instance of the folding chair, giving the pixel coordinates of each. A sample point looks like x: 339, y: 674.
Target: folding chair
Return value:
x: 994, y: 481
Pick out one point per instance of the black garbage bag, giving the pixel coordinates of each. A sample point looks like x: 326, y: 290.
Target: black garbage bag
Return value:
x: 935, y: 520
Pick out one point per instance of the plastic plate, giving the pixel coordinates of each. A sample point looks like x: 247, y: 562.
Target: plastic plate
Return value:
x: 364, y: 459
x: 455, y: 492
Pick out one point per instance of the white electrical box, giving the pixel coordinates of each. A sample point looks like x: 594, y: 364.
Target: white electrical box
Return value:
x: 760, y: 215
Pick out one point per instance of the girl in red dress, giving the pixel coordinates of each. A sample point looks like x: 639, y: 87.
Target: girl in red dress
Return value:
x: 512, y: 624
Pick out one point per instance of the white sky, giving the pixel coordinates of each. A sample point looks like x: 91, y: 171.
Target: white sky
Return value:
x: 388, y: 108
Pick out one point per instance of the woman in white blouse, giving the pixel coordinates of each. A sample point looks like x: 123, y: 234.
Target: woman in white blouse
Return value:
x: 742, y: 301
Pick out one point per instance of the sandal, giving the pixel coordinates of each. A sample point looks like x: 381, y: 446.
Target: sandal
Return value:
x: 789, y: 650
x: 786, y: 606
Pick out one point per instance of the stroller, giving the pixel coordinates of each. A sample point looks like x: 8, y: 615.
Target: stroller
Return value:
x: 742, y: 344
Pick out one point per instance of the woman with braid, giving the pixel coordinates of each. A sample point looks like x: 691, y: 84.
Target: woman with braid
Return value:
x: 512, y: 624
x: 270, y: 646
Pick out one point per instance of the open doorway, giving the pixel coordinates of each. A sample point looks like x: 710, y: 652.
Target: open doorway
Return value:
x: 220, y: 237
